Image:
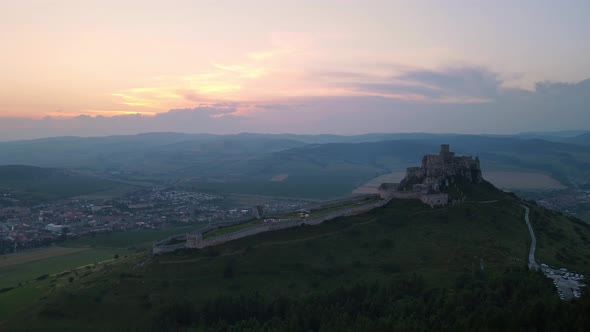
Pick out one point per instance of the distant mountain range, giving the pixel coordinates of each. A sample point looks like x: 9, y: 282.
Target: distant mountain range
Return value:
x: 571, y: 136
x: 319, y: 166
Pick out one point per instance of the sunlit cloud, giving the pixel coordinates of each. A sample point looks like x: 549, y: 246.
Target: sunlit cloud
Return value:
x: 292, y: 68
x: 97, y: 112
x: 243, y: 71
x: 264, y: 55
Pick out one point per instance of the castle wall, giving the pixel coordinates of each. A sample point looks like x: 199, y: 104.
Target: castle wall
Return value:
x: 195, y: 239
x: 283, y: 224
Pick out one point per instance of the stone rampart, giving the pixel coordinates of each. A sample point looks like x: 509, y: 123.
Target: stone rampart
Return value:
x: 195, y: 239
x: 288, y: 223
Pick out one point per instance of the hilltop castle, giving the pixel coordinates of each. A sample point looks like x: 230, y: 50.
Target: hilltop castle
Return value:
x: 430, y: 182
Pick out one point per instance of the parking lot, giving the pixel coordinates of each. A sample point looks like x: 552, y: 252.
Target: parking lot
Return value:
x: 569, y: 284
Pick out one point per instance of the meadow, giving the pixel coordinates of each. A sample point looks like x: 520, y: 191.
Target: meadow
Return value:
x: 26, y: 266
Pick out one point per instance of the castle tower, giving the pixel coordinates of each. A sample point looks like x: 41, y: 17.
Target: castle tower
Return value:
x: 445, y: 153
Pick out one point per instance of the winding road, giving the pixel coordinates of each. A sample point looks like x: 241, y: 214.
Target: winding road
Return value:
x: 532, y: 263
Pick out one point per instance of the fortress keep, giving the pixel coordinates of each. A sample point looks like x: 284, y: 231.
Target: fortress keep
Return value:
x: 430, y: 181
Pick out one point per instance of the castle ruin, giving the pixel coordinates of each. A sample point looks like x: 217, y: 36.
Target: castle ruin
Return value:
x: 430, y: 181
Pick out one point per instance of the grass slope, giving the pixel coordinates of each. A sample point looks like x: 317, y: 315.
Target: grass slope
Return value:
x: 561, y: 241
x: 95, y: 249
x: 458, y: 255
x: 401, y: 239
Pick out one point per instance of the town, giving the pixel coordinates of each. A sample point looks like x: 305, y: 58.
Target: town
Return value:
x: 26, y: 227
x: 573, y: 201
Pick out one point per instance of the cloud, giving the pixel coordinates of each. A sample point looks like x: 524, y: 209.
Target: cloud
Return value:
x: 442, y: 108
x: 466, y: 84
x: 279, y: 107
x: 475, y: 82
x: 458, y: 84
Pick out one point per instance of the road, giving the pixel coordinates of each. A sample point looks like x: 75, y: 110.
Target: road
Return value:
x: 564, y: 283
x: 532, y: 263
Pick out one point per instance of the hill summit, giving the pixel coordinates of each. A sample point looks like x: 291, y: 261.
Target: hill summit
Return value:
x: 430, y: 182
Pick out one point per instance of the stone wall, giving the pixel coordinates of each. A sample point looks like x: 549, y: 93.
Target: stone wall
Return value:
x: 195, y: 239
x: 284, y: 224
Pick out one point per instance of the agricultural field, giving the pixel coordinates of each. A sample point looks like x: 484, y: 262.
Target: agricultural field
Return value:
x: 139, y: 239
x: 371, y: 186
x: 35, y: 184
x: 279, y: 177
x: 36, y: 254
x: 523, y: 181
x: 26, y: 266
x: 14, y: 275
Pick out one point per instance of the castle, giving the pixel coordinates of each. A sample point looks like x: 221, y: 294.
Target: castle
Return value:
x: 430, y: 181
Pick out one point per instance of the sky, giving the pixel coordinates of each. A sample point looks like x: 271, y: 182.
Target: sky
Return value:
x: 71, y: 67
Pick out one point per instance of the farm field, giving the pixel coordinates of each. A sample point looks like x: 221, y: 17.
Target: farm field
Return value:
x: 27, y: 266
x: 502, y: 179
x: 34, y: 184
x: 36, y: 254
x: 141, y: 239
x: 13, y: 275
x: 523, y: 180
x: 370, y: 187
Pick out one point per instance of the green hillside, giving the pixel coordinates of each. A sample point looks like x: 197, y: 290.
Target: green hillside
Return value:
x: 403, y: 266
x: 30, y: 184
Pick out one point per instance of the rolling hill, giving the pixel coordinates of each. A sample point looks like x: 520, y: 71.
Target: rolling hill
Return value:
x: 29, y: 184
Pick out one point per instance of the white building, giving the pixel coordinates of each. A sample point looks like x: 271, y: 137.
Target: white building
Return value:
x: 54, y: 228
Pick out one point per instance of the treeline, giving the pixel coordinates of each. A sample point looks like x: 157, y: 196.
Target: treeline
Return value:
x: 517, y: 300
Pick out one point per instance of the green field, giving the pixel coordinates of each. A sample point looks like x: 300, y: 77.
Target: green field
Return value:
x: 142, y: 239
x: 100, y: 247
x: 33, y: 184
x: 315, y: 183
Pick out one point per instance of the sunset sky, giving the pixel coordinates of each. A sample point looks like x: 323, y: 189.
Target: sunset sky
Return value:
x: 275, y: 64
